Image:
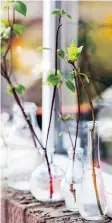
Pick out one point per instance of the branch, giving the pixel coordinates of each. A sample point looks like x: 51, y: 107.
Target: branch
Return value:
x: 54, y: 91
x: 88, y: 96
x: 5, y: 75
x: 92, y: 132
x: 78, y: 115
x: 23, y: 112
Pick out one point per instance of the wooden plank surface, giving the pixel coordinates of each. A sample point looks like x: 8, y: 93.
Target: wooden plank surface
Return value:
x: 22, y: 207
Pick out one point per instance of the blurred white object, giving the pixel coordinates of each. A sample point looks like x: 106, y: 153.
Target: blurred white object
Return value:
x: 105, y: 123
x: 3, y: 145
x: 23, y: 157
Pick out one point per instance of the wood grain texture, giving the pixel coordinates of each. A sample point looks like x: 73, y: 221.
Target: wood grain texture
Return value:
x: 22, y: 207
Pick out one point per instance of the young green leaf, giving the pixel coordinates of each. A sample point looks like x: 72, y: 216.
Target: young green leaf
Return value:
x: 61, y: 53
x: 59, y: 119
x: 9, y: 89
x: 28, y: 118
x: 86, y: 77
x: 20, y: 89
x: 68, y: 117
x: 70, y: 85
x: 60, y: 133
x: 5, y: 6
x: 56, y: 12
x: 72, y: 52
x: 9, y: 1
x: 5, y: 22
x: 69, y: 16
x: 63, y: 12
x: 43, y: 48
x: 53, y: 79
x: 6, y: 32
x: 72, y: 75
x: 18, y: 29
x: 20, y: 7
x: 79, y: 51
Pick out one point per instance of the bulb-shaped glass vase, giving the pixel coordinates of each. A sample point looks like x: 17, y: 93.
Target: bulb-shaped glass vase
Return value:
x: 93, y: 200
x: 70, y: 185
x: 44, y: 187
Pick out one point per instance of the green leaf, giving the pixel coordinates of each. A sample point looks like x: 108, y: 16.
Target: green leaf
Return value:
x: 5, y: 6
x: 86, y: 77
x: 69, y: 16
x: 63, y: 12
x: 53, y: 79
x: 59, y: 119
x: 79, y: 51
x: 20, y: 7
x: 70, y: 85
x: 60, y: 133
x: 61, y: 53
x: 9, y: 1
x: 20, y: 89
x: 68, y: 117
x: 72, y: 52
x: 28, y: 118
x: 9, y: 89
x: 5, y: 22
x: 6, y: 32
x: 56, y: 12
x: 71, y: 76
x: 18, y: 29
x: 43, y: 48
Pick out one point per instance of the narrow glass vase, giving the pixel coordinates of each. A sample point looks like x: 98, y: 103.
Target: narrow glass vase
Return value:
x: 93, y: 201
x: 70, y: 185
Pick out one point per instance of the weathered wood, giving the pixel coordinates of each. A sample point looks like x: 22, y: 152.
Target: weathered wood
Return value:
x: 22, y: 207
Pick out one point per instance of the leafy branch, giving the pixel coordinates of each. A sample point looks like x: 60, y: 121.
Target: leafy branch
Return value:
x: 54, y: 80
x: 71, y: 55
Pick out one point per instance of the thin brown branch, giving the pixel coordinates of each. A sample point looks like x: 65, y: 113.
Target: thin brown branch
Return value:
x: 78, y: 114
x: 50, y: 175
x: 52, y: 104
x: 24, y: 114
x: 54, y: 91
x: 88, y: 96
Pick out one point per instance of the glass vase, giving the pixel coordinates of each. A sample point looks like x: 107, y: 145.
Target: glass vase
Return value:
x: 41, y: 186
x: 70, y: 185
x: 93, y: 200
x: 23, y: 157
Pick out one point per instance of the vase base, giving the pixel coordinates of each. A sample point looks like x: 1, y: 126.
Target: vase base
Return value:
x: 90, y: 218
x: 75, y: 210
x: 19, y: 185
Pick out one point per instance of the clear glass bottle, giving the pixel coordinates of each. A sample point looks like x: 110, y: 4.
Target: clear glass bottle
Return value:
x: 40, y: 185
x: 23, y: 157
x: 93, y: 200
x: 70, y: 185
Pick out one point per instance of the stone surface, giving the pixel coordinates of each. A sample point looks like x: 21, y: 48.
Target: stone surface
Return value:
x: 22, y: 207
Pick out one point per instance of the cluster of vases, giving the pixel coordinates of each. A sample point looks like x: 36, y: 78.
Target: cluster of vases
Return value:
x: 80, y: 186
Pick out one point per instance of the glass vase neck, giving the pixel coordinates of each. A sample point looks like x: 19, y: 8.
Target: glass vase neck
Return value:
x: 93, y: 145
x: 78, y: 153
